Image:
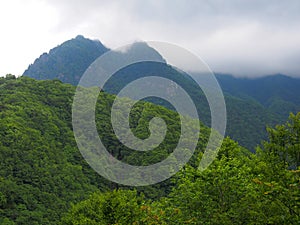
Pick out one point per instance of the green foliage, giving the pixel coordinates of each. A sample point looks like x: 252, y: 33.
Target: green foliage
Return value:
x: 242, y: 188
x: 45, y: 180
x: 238, y: 188
x: 284, y: 142
x: 116, y: 207
x: 41, y: 170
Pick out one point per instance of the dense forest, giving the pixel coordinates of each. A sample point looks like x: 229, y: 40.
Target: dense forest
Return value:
x: 45, y: 180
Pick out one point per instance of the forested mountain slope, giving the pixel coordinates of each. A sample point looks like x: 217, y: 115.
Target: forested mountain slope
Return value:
x: 278, y: 93
x: 247, y: 117
x: 41, y: 169
x: 42, y: 173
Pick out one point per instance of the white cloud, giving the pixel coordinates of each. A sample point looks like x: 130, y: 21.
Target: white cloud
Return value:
x: 25, y: 33
x: 242, y: 37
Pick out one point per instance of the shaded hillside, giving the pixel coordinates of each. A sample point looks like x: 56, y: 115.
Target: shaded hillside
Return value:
x: 279, y: 93
x: 246, y: 118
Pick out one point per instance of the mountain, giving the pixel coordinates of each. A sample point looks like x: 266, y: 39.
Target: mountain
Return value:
x: 41, y: 169
x: 45, y: 180
x: 252, y: 104
x: 66, y: 62
x: 241, y: 113
x: 278, y: 93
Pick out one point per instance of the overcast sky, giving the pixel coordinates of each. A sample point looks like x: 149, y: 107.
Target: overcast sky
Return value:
x: 245, y: 38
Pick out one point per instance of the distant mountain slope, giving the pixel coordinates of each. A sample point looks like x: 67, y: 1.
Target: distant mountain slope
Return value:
x: 66, y: 62
x: 246, y: 118
x: 251, y: 103
x: 278, y: 93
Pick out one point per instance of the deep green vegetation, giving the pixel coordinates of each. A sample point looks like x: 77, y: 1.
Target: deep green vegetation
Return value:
x: 45, y: 180
x: 238, y: 188
x: 241, y: 113
x: 251, y: 103
x: 42, y: 172
x: 278, y: 93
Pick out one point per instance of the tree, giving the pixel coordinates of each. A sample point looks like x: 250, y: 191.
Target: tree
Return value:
x: 115, y: 207
x: 284, y: 142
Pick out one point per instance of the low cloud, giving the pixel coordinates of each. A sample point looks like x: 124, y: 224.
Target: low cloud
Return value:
x: 246, y: 38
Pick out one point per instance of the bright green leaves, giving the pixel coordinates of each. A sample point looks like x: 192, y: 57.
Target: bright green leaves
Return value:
x: 284, y: 142
x: 116, y: 207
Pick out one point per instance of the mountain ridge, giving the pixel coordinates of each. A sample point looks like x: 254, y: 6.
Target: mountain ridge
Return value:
x: 66, y: 62
x: 256, y: 101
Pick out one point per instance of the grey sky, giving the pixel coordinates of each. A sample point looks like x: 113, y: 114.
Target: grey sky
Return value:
x: 246, y: 38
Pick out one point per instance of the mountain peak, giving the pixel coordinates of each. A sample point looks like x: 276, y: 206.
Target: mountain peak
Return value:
x: 68, y: 61
x: 80, y: 37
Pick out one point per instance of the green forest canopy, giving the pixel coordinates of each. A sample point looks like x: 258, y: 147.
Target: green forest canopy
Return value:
x: 45, y: 180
